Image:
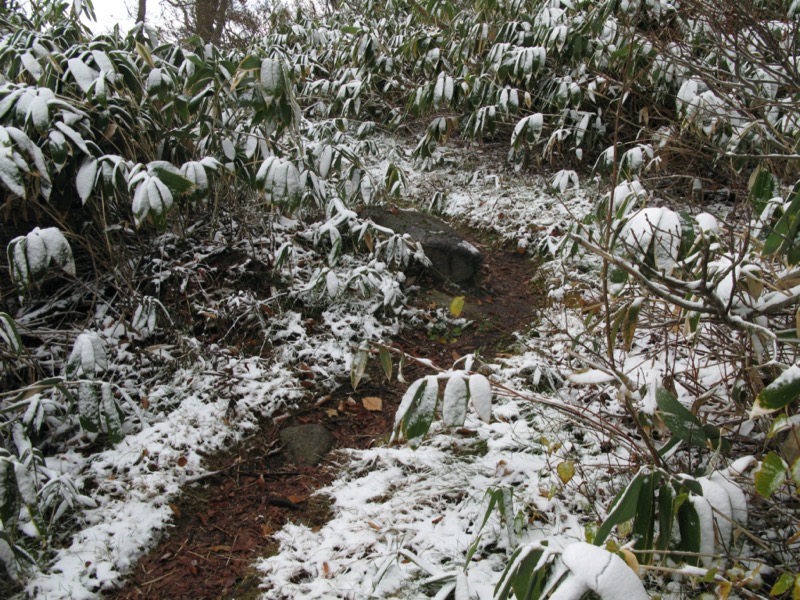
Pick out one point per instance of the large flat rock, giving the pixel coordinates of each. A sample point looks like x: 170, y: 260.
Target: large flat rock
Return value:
x: 451, y: 256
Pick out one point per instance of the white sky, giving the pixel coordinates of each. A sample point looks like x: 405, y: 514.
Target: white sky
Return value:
x: 111, y: 12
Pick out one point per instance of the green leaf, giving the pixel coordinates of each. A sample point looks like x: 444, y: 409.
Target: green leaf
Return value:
x: 9, y: 333
x: 177, y: 183
x: 420, y: 415
x: 689, y: 525
x: 386, y: 363
x: 770, y: 475
x: 783, y: 585
x: 623, y: 508
x: 781, y: 392
x: 666, y: 515
x: 359, y: 366
x: 645, y: 521
x: 682, y: 423
x: 9, y: 495
x: 781, y: 239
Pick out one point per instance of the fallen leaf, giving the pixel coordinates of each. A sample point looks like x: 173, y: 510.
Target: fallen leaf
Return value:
x: 437, y: 520
x: 372, y: 403
x: 267, y: 530
x: 175, y: 509
x: 374, y: 526
x: 182, y: 461
x: 326, y: 570
x: 297, y: 499
x: 219, y: 548
x: 145, y: 403
x: 457, y: 306
x: 331, y: 412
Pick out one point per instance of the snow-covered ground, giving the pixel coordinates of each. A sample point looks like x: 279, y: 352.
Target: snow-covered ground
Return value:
x: 406, y: 523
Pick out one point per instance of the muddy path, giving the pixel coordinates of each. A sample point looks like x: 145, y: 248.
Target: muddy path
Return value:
x: 226, y: 521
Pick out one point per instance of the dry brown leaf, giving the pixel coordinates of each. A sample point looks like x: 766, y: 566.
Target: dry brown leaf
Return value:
x: 182, y: 461
x: 297, y: 499
x: 175, y: 509
x: 219, y: 548
x: 372, y: 403
x: 326, y: 570
x: 375, y: 526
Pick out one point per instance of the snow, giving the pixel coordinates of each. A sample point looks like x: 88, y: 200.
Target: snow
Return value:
x: 595, y: 569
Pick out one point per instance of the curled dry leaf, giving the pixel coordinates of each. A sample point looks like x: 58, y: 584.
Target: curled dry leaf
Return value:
x: 373, y: 403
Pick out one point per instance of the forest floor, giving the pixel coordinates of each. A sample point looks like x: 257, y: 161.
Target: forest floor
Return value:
x: 227, y: 520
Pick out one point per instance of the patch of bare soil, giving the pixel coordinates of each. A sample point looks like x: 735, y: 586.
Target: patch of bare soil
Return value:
x: 226, y: 521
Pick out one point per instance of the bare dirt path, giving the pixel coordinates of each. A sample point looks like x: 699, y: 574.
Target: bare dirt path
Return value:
x: 224, y: 522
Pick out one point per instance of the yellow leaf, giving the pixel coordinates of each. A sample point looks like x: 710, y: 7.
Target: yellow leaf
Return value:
x: 372, y: 403
x: 630, y: 559
x: 457, y: 306
x: 566, y: 471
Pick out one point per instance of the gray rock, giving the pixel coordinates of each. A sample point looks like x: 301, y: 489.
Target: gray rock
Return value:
x: 451, y: 256
x: 308, y: 444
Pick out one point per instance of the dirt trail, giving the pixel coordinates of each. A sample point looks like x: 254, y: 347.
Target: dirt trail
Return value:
x: 224, y: 522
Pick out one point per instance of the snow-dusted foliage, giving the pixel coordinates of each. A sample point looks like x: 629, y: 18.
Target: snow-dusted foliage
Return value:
x: 174, y: 213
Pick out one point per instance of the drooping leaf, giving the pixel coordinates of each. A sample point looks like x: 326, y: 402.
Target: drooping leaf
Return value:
x: 454, y: 403
x: 420, y: 415
x: 480, y: 395
x: 781, y: 392
x: 359, y: 366
x: 85, y: 180
x: 386, y: 363
x: 88, y: 357
x: 770, y: 475
x: 623, y: 508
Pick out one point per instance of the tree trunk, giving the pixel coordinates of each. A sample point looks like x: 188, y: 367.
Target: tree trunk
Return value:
x: 210, y: 19
x: 140, y: 14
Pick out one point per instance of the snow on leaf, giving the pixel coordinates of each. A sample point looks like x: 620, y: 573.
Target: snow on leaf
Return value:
x: 10, y: 337
x: 39, y: 113
x: 88, y: 357
x: 411, y: 396
x: 58, y: 249
x: 272, y: 77
x: 84, y: 75
x: 597, y: 570
x: 10, y: 175
x: 73, y: 135
x: 480, y: 394
x: 420, y: 416
x: 454, y: 403
x: 332, y: 284
x: 196, y: 173
x: 654, y: 232
x: 85, y: 180
x: 781, y: 392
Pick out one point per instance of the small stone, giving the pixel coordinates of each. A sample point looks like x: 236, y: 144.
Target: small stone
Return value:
x: 308, y: 444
